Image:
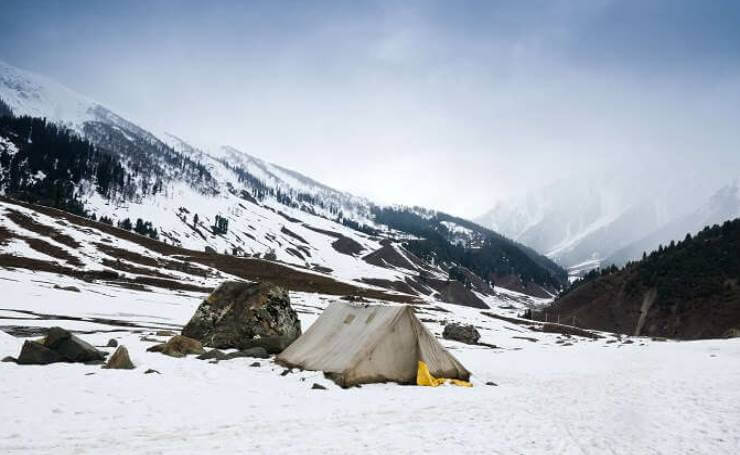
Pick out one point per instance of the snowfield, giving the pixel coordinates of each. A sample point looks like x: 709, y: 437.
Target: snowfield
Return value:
x: 553, y: 395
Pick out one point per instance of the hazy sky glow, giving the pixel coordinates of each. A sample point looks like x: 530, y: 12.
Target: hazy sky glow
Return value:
x: 449, y: 105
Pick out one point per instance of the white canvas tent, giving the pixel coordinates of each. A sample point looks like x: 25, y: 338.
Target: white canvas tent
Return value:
x: 361, y: 344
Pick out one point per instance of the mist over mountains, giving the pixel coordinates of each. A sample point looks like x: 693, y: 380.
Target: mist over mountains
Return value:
x: 583, y: 221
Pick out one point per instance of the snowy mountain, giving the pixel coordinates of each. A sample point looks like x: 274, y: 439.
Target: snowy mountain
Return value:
x: 220, y: 199
x: 583, y: 222
x: 721, y: 206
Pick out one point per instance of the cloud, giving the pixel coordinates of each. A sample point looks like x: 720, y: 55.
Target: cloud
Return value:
x: 450, y: 105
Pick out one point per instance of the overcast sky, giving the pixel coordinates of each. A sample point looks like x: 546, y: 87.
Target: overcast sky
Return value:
x: 449, y: 105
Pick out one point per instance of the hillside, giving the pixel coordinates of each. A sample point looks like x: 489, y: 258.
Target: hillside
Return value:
x: 688, y: 289
x: 94, y: 163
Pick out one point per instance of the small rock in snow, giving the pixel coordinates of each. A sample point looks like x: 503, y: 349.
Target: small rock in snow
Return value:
x: 317, y: 387
x: 112, y: 343
x: 213, y: 354
x: 67, y: 288
x: 150, y: 371
x: 120, y: 360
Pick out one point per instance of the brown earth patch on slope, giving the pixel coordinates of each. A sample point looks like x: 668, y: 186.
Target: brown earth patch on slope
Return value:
x: 342, y: 244
x: 246, y: 268
x: 348, y: 246
x: 336, y: 235
x: 514, y: 283
x: 170, y: 264
x: 54, y: 251
x: 456, y: 292
x: 292, y: 234
x: 388, y: 257
x: 32, y: 225
x: 399, y: 286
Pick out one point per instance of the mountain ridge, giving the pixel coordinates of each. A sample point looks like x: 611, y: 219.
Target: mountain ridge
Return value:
x: 228, y: 200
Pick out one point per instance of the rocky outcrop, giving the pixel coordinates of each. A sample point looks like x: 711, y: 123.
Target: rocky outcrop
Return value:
x: 245, y: 315
x: 463, y: 333
x: 59, y: 345
x: 179, y: 346
x: 120, y: 360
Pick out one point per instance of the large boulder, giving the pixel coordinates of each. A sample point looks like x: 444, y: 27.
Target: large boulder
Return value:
x: 72, y: 348
x: 179, y: 346
x: 464, y: 333
x: 245, y: 315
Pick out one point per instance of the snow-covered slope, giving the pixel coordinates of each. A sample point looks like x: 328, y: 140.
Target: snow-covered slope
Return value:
x: 37, y: 96
x: 536, y: 393
x: 587, y: 219
x: 225, y: 200
x: 721, y: 206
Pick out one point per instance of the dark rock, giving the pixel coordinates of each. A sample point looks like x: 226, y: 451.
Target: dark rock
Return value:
x: 10, y: 359
x: 254, y: 364
x: 179, y: 346
x: 212, y: 354
x: 492, y: 383
x: 213, y: 362
x: 611, y: 341
x: 245, y: 315
x: 67, y: 288
x: 628, y: 341
x: 165, y: 333
x: 89, y: 374
x: 210, y: 250
x: 464, y: 333
x: 150, y: 371
x: 317, y: 387
x: 285, y: 372
x: 72, y: 348
x: 59, y: 345
x: 120, y: 360
x: 34, y: 353
x: 258, y: 352
x: 94, y: 362
x: 112, y: 343
x: 149, y: 339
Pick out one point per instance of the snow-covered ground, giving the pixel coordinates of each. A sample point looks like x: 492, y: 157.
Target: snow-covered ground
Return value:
x: 553, y: 394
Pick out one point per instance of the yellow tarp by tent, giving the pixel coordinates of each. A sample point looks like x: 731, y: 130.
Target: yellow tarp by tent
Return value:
x: 424, y: 377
